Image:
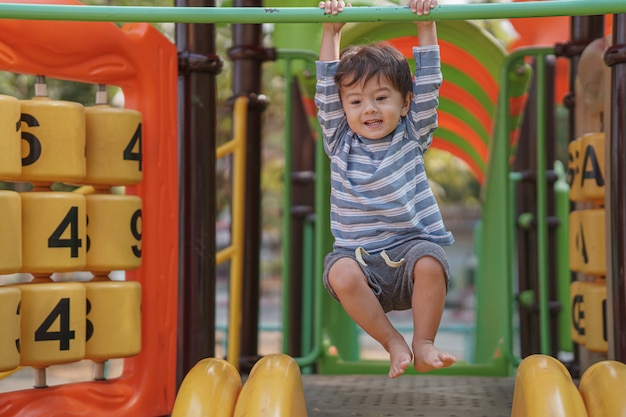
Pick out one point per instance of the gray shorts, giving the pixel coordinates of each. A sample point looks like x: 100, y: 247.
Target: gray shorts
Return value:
x: 393, y: 286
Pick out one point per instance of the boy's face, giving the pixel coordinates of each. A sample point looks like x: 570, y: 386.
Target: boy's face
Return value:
x: 374, y: 107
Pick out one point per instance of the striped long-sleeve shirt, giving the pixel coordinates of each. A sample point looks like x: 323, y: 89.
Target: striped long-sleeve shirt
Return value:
x: 380, y: 196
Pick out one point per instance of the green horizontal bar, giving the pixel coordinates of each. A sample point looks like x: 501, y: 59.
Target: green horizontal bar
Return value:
x: 306, y: 14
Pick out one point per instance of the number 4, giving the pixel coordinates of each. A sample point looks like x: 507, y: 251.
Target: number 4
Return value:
x: 135, y: 142
x: 74, y: 242
x: 64, y: 334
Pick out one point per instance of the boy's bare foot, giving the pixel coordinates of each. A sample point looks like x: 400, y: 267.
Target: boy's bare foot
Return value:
x: 399, y: 357
x: 428, y: 357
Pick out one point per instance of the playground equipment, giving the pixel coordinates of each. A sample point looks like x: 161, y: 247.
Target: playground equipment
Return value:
x: 544, y: 386
x: 214, y: 388
x: 494, y: 84
x: 101, y: 54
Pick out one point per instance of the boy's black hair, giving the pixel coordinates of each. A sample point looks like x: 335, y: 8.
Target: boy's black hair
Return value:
x: 360, y: 63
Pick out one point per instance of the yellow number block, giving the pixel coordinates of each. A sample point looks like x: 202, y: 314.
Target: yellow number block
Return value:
x: 114, y: 146
x: 53, y: 140
x: 588, y: 304
x: 10, y: 151
x: 587, y: 243
x: 113, y: 319
x: 10, y: 334
x: 11, y: 232
x: 574, y: 167
x: 53, y: 232
x: 596, y: 338
x: 114, y: 230
x: 592, y: 171
x: 575, y: 229
x: 53, y: 322
x: 577, y: 305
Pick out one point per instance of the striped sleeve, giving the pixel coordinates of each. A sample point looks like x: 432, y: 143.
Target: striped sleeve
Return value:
x: 426, y: 83
x: 330, y: 113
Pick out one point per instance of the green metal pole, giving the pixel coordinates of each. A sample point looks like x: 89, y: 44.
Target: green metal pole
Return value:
x: 542, y: 215
x: 307, y: 14
x: 311, y: 304
x: 286, y: 220
x: 308, y: 319
x: 564, y: 275
x: 494, y: 289
x: 503, y: 125
x: 320, y: 239
x: 312, y: 294
x: 514, y: 179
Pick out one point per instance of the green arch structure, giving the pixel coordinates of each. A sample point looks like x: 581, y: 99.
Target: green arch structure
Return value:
x: 471, y: 61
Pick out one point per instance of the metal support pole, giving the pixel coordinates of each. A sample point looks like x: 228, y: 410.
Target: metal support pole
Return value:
x: 248, y: 55
x: 615, y: 57
x: 196, y: 300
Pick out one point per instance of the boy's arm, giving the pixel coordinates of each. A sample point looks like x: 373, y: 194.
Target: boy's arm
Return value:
x: 427, y: 78
x: 330, y: 113
x: 331, y: 33
x: 426, y: 33
x: 426, y: 29
x: 329, y: 48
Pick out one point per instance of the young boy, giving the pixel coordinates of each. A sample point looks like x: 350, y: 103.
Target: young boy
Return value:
x: 377, y: 123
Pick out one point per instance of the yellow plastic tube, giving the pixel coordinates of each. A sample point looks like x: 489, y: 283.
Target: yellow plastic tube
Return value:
x: 273, y: 389
x: 544, y: 387
x: 602, y: 388
x: 210, y: 389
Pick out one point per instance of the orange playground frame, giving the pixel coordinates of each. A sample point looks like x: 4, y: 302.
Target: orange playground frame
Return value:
x: 141, y: 61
